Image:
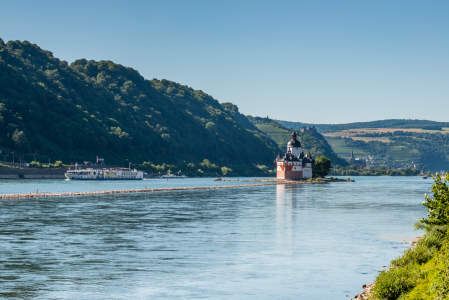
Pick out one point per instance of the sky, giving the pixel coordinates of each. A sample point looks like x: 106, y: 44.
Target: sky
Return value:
x: 322, y: 61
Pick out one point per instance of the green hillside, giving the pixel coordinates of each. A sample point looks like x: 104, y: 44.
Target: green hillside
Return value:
x: 233, y: 110
x: 393, y: 123
x: 389, y: 143
x: 429, y: 150
x: 50, y: 109
x: 315, y: 143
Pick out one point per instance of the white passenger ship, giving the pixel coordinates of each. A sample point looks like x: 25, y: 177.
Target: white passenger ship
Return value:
x: 168, y: 175
x: 104, y: 174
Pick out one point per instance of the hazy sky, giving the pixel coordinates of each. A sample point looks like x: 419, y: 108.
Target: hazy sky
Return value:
x: 306, y: 61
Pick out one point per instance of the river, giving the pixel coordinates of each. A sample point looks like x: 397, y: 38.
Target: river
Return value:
x: 309, y: 241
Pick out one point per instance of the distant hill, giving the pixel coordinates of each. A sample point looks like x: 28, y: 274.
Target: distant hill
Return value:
x: 242, y: 119
x: 50, y: 109
x: 397, y: 149
x: 314, y: 143
x: 393, y: 123
x: 420, y: 143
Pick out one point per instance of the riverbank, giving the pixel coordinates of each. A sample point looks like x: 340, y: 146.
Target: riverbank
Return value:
x: 368, y: 289
x: 422, y: 271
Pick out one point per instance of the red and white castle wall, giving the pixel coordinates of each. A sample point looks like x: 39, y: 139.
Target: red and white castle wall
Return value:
x: 294, y: 164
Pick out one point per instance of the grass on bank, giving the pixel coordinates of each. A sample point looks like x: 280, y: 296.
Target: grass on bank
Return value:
x: 2, y: 166
x: 422, y: 272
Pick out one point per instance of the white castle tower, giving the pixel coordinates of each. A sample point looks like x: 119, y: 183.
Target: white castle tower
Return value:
x: 294, y: 164
x: 294, y: 146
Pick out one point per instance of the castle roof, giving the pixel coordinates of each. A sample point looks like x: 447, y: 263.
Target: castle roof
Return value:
x: 293, y: 142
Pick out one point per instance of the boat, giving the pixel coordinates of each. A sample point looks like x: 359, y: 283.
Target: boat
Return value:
x: 168, y: 175
x: 104, y: 174
x: 424, y: 177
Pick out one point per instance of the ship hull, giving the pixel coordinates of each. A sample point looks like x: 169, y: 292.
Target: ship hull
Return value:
x: 104, y: 174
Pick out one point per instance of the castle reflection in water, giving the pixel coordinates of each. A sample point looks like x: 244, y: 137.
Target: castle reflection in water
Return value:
x: 291, y: 209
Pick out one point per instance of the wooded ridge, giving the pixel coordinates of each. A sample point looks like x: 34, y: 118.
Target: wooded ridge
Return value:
x: 73, y: 113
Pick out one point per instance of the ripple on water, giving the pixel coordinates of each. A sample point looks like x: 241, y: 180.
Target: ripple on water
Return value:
x: 269, y: 242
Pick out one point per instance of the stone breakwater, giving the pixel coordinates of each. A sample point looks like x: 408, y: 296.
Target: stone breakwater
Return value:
x: 69, y: 194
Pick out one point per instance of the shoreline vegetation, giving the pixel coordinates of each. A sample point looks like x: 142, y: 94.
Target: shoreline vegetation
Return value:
x: 422, y: 272
x: 357, y: 171
x: 264, y: 182
x: 203, y: 169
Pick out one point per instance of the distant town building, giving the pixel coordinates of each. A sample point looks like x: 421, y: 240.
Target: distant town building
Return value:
x: 309, y: 130
x: 359, y: 162
x: 294, y: 164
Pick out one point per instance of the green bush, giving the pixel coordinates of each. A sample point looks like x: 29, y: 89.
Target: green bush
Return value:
x: 441, y: 283
x: 390, y: 285
x: 35, y: 164
x: 425, y: 266
x: 438, y: 207
x: 322, y: 166
x: 58, y: 164
x: 424, y: 251
x: 226, y: 171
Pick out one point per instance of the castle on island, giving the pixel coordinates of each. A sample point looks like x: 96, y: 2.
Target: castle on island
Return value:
x: 294, y: 164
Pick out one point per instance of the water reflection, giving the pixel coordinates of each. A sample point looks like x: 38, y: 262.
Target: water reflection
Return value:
x: 290, y: 200
x: 284, y: 202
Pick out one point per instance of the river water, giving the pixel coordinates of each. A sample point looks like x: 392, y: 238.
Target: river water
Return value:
x: 269, y: 242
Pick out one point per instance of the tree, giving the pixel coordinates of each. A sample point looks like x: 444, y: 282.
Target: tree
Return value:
x: 2, y: 108
x: 19, y: 139
x: 226, y: 171
x: 322, y: 166
x: 438, y: 207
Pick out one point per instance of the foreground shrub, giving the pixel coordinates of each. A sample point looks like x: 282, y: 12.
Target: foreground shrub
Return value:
x: 425, y: 266
x: 441, y: 284
x: 390, y: 285
x: 438, y: 206
x: 424, y: 251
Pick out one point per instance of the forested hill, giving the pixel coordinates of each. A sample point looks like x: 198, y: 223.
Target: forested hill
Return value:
x: 393, y: 123
x: 242, y: 119
x: 314, y: 143
x: 86, y: 109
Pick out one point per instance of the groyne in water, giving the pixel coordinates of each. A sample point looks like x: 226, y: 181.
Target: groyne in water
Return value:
x: 145, y: 190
